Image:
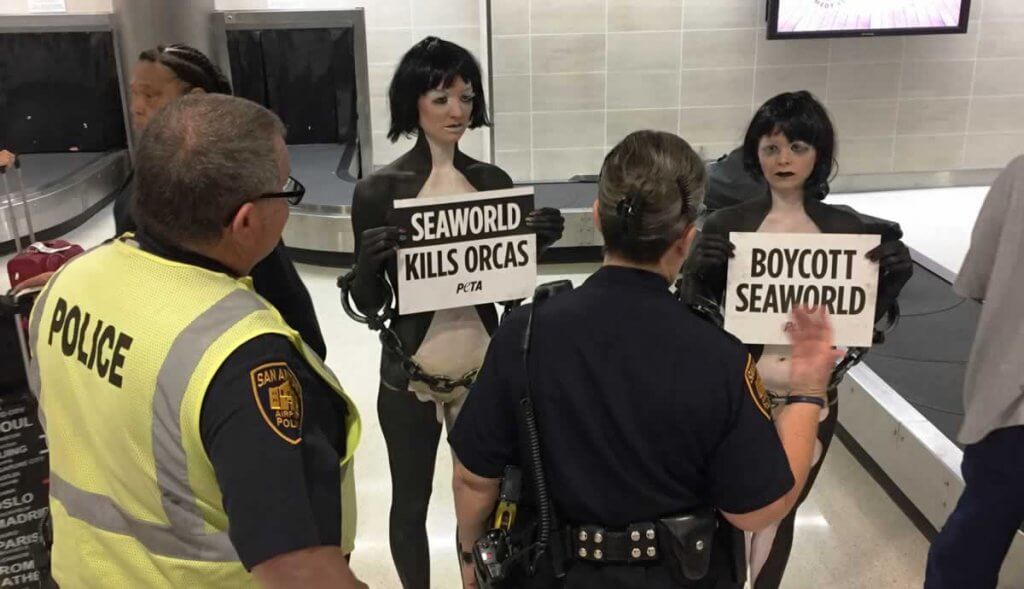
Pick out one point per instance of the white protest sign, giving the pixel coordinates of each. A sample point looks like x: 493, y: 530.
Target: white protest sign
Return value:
x: 773, y: 272
x: 465, y: 250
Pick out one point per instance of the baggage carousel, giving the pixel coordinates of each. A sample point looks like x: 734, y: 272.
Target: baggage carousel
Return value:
x: 62, y: 191
x: 925, y: 357
x: 901, y: 409
x: 319, y: 230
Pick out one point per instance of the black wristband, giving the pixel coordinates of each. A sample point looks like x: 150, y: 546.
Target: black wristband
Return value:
x: 467, y: 557
x: 804, y: 399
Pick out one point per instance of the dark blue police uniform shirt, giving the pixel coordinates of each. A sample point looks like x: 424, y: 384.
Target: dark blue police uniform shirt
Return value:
x: 279, y: 496
x: 644, y: 408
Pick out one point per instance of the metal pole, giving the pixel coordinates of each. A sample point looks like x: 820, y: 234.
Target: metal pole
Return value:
x: 12, y: 221
x: 24, y: 201
x: 25, y: 352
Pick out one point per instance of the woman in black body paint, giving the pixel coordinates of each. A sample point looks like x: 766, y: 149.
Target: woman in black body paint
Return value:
x: 436, y: 94
x: 790, y: 143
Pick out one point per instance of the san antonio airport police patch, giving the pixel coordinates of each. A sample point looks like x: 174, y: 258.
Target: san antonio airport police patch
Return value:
x: 279, y: 396
x: 757, y: 389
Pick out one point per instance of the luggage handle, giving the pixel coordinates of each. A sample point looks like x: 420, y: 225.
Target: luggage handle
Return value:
x: 41, y: 247
x: 19, y: 305
x: 12, y: 220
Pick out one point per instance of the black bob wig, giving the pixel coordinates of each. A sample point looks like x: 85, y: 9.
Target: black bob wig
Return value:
x: 432, y: 63
x: 800, y: 117
x: 191, y: 66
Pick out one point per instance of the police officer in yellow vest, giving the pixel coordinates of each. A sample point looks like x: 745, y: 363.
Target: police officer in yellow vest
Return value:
x: 195, y: 440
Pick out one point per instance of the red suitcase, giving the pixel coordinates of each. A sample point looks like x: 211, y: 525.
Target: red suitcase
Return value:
x: 40, y: 257
x: 37, y: 258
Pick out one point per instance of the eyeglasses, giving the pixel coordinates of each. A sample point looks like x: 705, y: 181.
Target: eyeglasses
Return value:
x: 293, y: 191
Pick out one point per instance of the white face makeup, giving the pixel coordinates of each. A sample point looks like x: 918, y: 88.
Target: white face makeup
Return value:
x: 445, y: 112
x: 786, y: 165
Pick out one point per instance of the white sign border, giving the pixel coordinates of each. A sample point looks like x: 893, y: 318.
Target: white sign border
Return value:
x: 469, y: 197
x: 862, y: 340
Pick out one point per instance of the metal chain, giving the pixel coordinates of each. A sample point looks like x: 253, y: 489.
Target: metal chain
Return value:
x: 852, y: 358
x: 705, y: 308
x: 436, y: 382
x: 389, y: 339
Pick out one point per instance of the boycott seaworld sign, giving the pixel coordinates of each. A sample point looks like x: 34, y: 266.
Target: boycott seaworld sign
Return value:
x: 465, y: 250
x: 773, y: 272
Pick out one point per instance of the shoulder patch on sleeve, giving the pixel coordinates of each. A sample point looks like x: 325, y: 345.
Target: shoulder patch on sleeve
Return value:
x: 755, y: 386
x: 278, y: 396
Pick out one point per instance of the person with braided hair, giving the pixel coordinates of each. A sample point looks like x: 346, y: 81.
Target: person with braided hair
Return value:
x: 161, y: 76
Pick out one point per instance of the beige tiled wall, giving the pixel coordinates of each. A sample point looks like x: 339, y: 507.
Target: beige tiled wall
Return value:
x: 393, y: 26
x: 73, y: 6
x: 572, y: 77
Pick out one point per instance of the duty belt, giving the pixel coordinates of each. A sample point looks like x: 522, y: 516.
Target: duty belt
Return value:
x: 637, y: 543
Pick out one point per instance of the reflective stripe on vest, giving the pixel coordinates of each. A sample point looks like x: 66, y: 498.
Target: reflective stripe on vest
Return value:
x: 100, y: 511
x: 176, y: 493
x: 186, y: 537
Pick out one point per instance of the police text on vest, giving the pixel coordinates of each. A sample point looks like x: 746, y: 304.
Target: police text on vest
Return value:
x: 97, y: 346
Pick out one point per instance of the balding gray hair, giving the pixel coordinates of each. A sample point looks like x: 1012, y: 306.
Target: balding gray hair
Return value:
x: 200, y: 158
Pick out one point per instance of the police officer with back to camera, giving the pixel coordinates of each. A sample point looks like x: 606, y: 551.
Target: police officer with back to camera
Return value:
x: 195, y: 440
x: 643, y: 433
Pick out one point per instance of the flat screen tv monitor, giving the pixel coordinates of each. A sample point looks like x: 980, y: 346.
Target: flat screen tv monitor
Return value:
x: 793, y: 19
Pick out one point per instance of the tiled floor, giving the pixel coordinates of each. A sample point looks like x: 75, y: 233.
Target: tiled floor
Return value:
x: 850, y: 534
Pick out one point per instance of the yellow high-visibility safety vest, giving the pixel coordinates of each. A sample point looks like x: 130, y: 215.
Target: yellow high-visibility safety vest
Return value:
x: 125, y: 345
